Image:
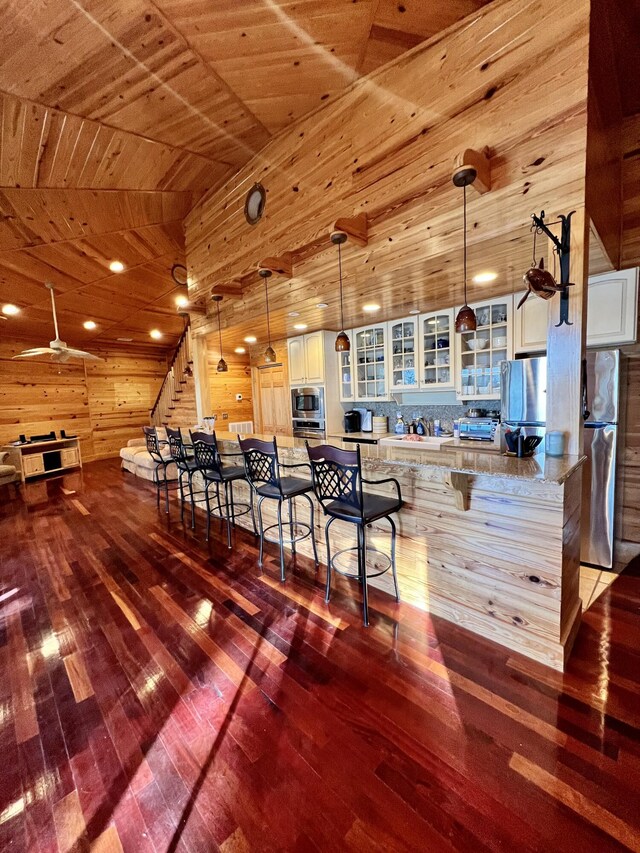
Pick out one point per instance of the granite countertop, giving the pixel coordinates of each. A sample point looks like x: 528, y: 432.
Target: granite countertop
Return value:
x: 539, y: 468
x: 360, y: 436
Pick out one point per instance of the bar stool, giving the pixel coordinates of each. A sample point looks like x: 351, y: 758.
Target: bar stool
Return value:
x: 337, y: 482
x: 208, y: 460
x: 185, y: 464
x: 162, y: 462
x: 263, y: 473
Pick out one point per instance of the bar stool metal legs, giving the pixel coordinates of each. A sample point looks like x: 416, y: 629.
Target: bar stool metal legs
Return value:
x: 294, y: 537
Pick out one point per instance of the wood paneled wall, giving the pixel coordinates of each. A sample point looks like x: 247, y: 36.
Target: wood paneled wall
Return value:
x: 387, y: 148
x: 104, y: 403
x: 223, y: 387
x: 628, y: 516
x: 631, y: 192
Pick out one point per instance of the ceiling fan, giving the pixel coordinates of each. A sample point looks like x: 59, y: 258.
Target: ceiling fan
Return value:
x: 60, y: 352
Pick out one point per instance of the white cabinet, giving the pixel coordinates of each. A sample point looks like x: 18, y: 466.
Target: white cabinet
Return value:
x: 437, y: 350
x: 345, y: 372
x: 370, y: 362
x: 530, y: 323
x: 306, y: 359
x: 314, y: 358
x: 402, y: 354
x: 297, y: 368
x: 479, y: 353
x: 612, y: 310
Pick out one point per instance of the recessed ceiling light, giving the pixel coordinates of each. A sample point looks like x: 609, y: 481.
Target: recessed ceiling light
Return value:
x: 484, y: 277
x: 156, y: 334
x: 414, y: 311
x: 116, y: 266
x: 10, y: 310
x: 239, y: 350
x: 322, y: 305
x: 300, y: 326
x: 182, y: 301
x: 294, y: 313
x: 250, y: 339
x: 90, y: 325
x: 370, y: 307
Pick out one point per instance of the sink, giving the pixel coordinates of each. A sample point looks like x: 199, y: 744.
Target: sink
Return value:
x: 427, y: 442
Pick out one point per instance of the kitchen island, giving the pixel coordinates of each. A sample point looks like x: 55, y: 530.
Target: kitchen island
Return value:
x: 489, y: 542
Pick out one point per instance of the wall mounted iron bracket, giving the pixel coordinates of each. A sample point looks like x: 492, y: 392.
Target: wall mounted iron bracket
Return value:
x: 562, y: 247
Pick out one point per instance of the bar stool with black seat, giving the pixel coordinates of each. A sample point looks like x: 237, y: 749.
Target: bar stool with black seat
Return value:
x: 186, y: 464
x: 338, y: 485
x: 209, y: 464
x: 263, y: 469
x: 162, y: 460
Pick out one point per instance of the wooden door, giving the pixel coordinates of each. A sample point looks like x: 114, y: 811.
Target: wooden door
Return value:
x: 274, y: 402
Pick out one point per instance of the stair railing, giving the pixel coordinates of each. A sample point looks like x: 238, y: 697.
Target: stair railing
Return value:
x: 179, y: 365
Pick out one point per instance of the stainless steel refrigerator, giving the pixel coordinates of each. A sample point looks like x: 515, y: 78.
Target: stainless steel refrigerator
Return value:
x: 524, y: 403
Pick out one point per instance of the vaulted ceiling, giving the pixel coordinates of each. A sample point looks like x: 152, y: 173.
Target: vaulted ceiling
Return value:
x: 117, y: 115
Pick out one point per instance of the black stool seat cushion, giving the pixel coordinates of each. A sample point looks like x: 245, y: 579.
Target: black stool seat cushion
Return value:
x: 229, y: 472
x: 291, y: 486
x: 375, y: 506
x: 190, y: 464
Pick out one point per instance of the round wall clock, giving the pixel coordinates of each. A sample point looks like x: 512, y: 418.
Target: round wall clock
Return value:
x: 254, y: 204
x: 179, y: 274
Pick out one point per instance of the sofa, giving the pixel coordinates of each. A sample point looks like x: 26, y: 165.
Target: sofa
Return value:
x: 137, y: 459
x: 8, y: 473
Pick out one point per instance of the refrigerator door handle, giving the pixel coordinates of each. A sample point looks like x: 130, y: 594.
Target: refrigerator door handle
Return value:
x: 585, y: 396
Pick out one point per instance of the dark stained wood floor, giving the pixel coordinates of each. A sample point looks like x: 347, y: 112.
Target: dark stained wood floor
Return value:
x: 158, y: 695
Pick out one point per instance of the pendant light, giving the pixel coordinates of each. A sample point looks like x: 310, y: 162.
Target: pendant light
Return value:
x: 343, y: 344
x: 269, y: 353
x: 222, y: 364
x: 466, y: 319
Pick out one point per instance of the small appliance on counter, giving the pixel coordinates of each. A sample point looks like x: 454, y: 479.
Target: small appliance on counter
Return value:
x: 478, y: 429
x: 352, y: 421
x: 366, y: 419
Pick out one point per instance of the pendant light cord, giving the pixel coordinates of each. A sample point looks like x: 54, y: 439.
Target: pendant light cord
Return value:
x: 266, y: 298
x: 464, y: 239
x: 219, y: 329
x: 340, y: 274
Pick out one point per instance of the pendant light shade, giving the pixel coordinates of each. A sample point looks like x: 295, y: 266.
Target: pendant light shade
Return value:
x: 222, y: 364
x: 343, y: 344
x: 269, y: 354
x: 466, y: 318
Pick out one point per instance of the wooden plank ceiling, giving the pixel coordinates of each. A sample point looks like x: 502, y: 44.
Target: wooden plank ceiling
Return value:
x: 116, y: 117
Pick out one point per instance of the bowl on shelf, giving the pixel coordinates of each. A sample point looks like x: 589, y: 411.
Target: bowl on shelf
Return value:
x: 475, y: 344
x: 500, y: 341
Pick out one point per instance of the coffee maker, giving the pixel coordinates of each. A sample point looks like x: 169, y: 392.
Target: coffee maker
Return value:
x: 352, y: 421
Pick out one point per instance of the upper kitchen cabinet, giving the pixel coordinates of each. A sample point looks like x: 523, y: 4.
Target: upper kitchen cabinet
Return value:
x: 437, y: 350
x: 530, y: 324
x: 306, y: 359
x: 402, y: 354
x: 612, y: 310
x: 345, y: 372
x: 479, y: 353
x: 369, y: 343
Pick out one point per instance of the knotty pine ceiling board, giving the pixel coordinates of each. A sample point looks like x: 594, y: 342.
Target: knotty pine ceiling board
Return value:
x: 42, y: 147
x: 281, y: 58
x: 129, y: 68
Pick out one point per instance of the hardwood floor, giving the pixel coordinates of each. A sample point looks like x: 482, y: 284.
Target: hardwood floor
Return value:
x: 160, y: 695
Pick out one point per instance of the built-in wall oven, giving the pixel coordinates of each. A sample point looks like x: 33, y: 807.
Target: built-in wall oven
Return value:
x: 307, y: 412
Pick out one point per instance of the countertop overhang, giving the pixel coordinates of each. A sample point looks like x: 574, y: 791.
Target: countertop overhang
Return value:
x: 539, y: 468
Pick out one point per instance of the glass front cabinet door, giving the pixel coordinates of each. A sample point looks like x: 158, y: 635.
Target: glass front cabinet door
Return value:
x: 369, y: 361
x: 345, y: 371
x: 479, y: 353
x: 437, y: 350
x: 402, y: 355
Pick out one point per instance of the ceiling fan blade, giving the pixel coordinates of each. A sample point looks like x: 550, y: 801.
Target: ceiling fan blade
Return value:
x: 87, y: 356
x: 32, y: 353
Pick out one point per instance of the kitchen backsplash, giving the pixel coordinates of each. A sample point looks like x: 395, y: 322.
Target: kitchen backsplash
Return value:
x: 446, y: 414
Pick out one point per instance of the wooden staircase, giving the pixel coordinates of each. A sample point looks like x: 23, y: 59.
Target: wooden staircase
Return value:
x: 175, y: 404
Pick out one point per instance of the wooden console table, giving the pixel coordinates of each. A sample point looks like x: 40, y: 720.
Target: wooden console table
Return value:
x: 37, y: 458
